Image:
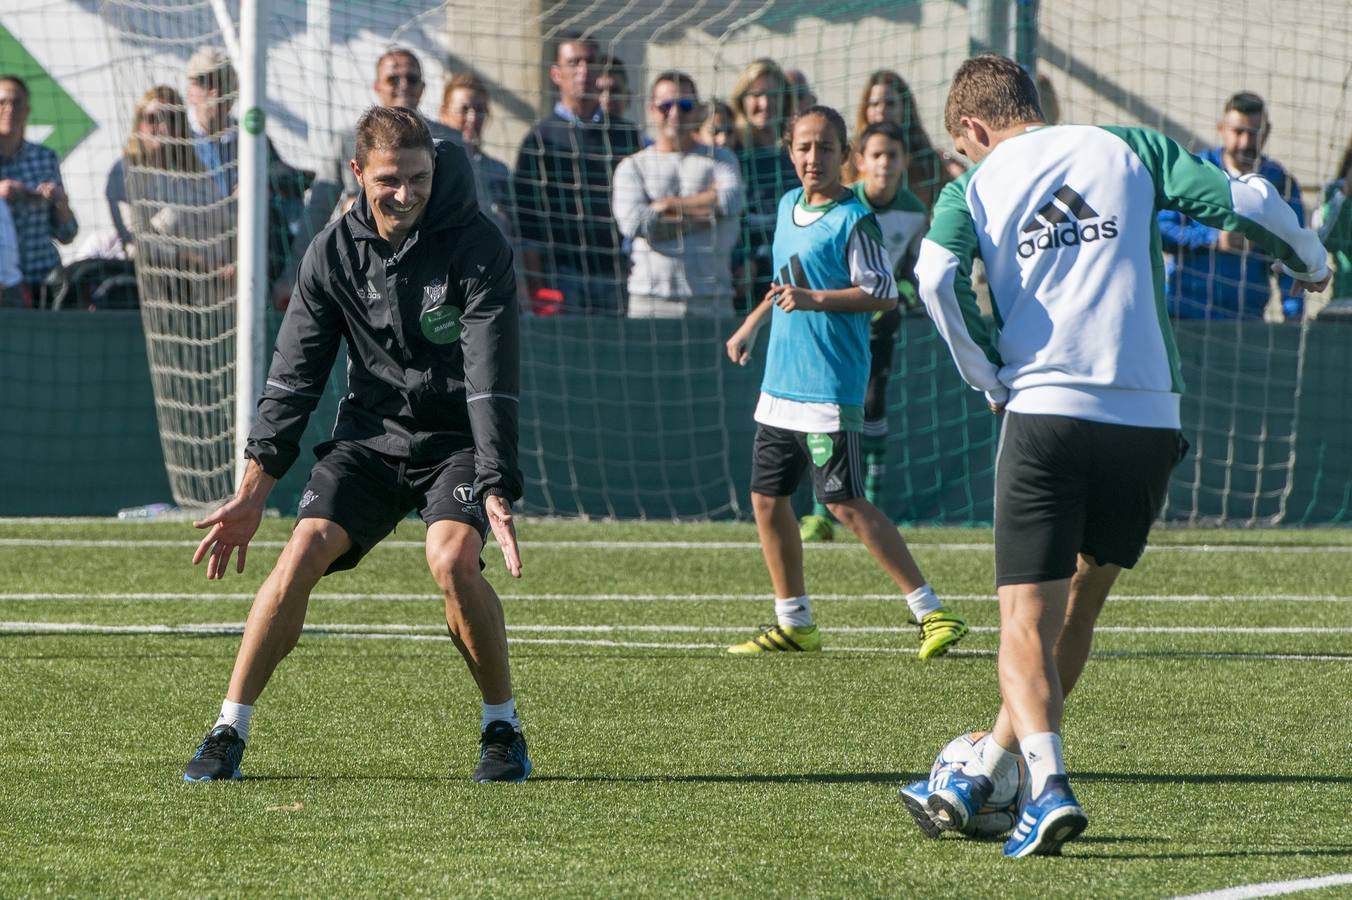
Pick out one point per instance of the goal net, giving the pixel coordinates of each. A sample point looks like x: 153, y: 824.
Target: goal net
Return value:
x: 633, y: 416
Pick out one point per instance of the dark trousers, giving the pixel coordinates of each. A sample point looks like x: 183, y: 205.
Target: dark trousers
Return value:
x: 15, y: 297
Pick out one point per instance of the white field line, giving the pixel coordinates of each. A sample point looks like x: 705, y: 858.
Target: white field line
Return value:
x: 660, y: 598
x: 398, y: 629
x: 1272, y: 888
x: 683, y: 545
x: 37, y: 628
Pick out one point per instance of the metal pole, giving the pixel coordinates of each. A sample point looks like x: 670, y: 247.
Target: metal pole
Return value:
x: 252, y: 197
x: 1025, y: 34
x: 988, y: 26
x: 227, y: 27
x: 325, y: 141
x: 1007, y: 27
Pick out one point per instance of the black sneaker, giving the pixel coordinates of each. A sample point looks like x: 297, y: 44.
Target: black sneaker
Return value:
x: 218, y: 757
x: 502, y: 754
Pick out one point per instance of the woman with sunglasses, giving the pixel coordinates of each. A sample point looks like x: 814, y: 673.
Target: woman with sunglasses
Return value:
x: 678, y: 201
x: 168, y: 210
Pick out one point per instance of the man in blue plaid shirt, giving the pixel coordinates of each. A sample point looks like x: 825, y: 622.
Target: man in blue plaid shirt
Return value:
x: 30, y: 185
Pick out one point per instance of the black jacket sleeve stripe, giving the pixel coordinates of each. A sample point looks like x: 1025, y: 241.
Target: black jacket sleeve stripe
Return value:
x: 307, y: 344
x: 491, y: 344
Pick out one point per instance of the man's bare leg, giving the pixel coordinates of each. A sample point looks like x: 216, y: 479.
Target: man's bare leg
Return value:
x: 270, y: 633
x: 479, y: 629
x: 473, y: 609
x: 1089, y: 589
x: 278, y: 611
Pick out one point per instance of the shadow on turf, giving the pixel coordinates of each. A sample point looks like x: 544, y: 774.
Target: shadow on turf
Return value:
x: 1245, y: 853
x: 884, y: 778
x: 887, y: 778
x: 1215, y: 655
x: 1211, y: 778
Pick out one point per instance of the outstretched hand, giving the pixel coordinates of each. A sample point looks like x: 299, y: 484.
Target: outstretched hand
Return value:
x: 499, y: 513
x: 232, y: 527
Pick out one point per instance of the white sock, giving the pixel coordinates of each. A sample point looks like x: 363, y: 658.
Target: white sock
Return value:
x: 1043, y: 752
x: 795, y: 612
x: 500, y: 712
x: 237, y: 716
x: 923, y: 601
x: 993, y: 762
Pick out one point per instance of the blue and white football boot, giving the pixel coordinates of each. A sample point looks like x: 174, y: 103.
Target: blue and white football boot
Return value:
x: 916, y: 797
x: 1048, y: 821
x: 956, y: 797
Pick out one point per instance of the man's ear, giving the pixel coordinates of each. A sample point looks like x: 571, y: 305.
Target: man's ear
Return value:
x: 356, y: 170
x: 976, y: 129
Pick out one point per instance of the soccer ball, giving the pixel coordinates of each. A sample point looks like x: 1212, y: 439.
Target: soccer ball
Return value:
x: 1002, y: 809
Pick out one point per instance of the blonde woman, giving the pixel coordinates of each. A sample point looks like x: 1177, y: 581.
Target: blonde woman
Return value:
x: 170, y: 214
x: 760, y: 109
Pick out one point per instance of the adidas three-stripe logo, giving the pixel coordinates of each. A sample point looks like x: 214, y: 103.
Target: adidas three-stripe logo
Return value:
x: 1064, y: 221
x: 1051, y: 214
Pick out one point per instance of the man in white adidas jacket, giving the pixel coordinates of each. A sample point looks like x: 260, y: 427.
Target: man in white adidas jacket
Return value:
x: 1082, y: 362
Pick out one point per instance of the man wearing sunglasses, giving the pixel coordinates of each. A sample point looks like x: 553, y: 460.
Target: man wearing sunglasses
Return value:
x: 679, y: 202
x: 398, y: 82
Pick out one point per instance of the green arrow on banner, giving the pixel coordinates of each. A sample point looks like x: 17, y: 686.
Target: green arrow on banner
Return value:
x: 52, y: 106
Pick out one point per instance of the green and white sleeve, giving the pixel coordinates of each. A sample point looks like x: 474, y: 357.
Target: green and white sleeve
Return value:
x: 1249, y: 204
x: 866, y: 260
x: 944, y: 277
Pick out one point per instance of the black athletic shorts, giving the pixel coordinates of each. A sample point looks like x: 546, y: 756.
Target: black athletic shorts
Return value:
x: 779, y: 456
x: 1067, y: 486
x: 368, y: 493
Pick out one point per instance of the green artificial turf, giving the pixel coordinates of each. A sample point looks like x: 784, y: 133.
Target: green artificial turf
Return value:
x: 1209, y: 748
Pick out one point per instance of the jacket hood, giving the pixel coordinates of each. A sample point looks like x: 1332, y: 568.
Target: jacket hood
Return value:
x: 452, y: 204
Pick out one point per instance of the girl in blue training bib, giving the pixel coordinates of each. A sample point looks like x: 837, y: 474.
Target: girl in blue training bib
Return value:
x: 831, y: 275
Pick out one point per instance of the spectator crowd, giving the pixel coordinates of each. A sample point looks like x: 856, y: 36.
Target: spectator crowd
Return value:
x: 668, y: 218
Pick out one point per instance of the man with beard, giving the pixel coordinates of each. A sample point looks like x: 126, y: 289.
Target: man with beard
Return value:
x: 1217, y: 274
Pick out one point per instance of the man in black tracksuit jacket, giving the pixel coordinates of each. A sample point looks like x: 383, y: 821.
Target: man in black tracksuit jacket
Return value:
x: 421, y: 286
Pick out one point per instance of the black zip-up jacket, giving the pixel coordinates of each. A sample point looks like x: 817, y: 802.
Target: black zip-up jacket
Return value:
x: 414, y: 391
